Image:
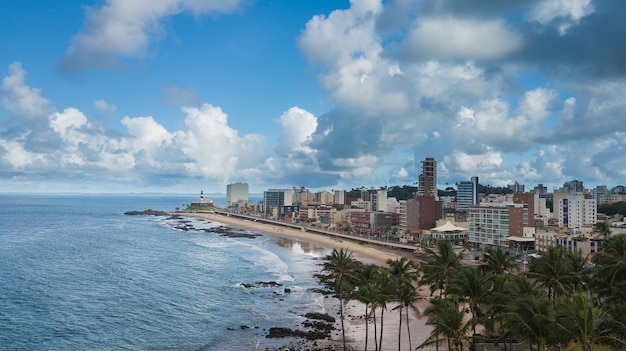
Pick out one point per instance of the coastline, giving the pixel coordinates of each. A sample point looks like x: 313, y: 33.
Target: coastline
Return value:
x: 355, y: 323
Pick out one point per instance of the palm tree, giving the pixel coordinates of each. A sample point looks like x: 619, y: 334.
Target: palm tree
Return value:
x: 368, y: 292
x: 404, y: 274
x: 447, y: 318
x: 578, y: 271
x: 385, y: 282
x: 551, y: 270
x: 472, y: 286
x: 498, y: 261
x: 440, y: 266
x: 602, y: 229
x: 579, y: 320
x: 610, y: 272
x: 614, y: 326
x: 533, y: 318
x: 341, y: 269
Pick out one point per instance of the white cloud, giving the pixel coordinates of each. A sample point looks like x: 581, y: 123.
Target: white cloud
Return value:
x: 17, y: 156
x: 123, y: 28
x: 71, y: 118
x: 567, y: 12
x: 466, y: 39
x: 297, y: 127
x: 104, y: 106
x: 20, y: 99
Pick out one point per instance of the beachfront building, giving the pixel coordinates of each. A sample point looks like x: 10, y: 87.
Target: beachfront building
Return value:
x: 376, y: 197
x: 275, y: 198
x: 427, y: 181
x: 236, y: 194
x: 420, y: 213
x: 368, y: 223
x: 492, y: 224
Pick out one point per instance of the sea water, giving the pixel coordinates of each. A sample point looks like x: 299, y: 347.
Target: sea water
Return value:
x: 78, y: 274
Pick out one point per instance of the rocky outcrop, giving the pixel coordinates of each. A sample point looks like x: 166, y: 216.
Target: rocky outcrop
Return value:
x: 147, y: 212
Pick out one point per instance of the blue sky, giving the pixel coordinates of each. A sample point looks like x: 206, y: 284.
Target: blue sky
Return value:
x: 189, y: 95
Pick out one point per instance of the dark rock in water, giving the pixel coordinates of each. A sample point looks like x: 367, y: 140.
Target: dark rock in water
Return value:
x: 269, y: 284
x: 147, y: 212
x: 287, y: 290
x: 320, y: 316
x: 280, y: 332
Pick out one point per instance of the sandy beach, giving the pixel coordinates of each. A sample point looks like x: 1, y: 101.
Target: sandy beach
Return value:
x: 355, y: 323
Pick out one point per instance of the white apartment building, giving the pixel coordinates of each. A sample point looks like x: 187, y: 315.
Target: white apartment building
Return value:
x: 577, y: 211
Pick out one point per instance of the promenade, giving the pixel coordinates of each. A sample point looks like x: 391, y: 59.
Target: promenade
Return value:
x: 391, y: 243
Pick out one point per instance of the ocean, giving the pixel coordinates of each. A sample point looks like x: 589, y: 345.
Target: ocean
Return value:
x: 78, y: 274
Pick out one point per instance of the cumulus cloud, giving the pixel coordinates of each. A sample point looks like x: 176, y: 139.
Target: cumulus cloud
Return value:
x: 104, y: 106
x: 461, y: 39
x: 442, y: 79
x: 20, y: 99
x: 146, y: 152
x: 125, y: 29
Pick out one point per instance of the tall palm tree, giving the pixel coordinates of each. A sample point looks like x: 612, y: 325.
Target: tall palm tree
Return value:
x: 440, y: 266
x: 578, y: 320
x: 578, y: 271
x: 446, y: 317
x: 614, y: 326
x: 404, y: 273
x: 472, y: 286
x: 551, y: 270
x: 341, y: 268
x: 385, y: 282
x: 368, y: 292
x: 602, y: 229
x: 498, y: 261
x: 609, y: 277
x: 533, y: 318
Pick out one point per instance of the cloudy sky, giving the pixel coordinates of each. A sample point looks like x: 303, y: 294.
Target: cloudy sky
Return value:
x: 189, y: 95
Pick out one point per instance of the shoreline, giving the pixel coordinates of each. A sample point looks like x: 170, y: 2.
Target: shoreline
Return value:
x: 354, y: 310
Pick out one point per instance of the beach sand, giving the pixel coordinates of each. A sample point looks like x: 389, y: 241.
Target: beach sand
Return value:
x: 354, y: 311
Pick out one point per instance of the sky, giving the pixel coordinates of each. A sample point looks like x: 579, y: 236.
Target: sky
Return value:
x: 188, y: 95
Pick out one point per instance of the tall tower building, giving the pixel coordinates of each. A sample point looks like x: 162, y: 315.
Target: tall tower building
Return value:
x: 467, y: 194
x: 236, y: 193
x: 427, y: 182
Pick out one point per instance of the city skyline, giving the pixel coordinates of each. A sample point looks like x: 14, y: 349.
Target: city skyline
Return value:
x: 181, y: 95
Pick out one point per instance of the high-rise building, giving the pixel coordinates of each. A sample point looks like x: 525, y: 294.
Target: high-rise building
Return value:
x: 420, y: 212
x: 516, y: 187
x: 467, y: 194
x: 575, y: 186
x: 577, y: 211
x: 236, y: 193
x: 528, y: 199
x: 427, y: 181
x: 339, y: 197
x: 274, y: 198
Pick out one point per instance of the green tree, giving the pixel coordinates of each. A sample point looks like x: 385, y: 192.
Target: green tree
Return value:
x: 440, y: 266
x: 498, y: 261
x: 341, y: 269
x: 551, y: 270
x: 602, y: 229
x: 533, y: 318
x: 447, y: 318
x: 609, y: 278
x: 472, y: 286
x: 578, y: 320
x: 404, y: 274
